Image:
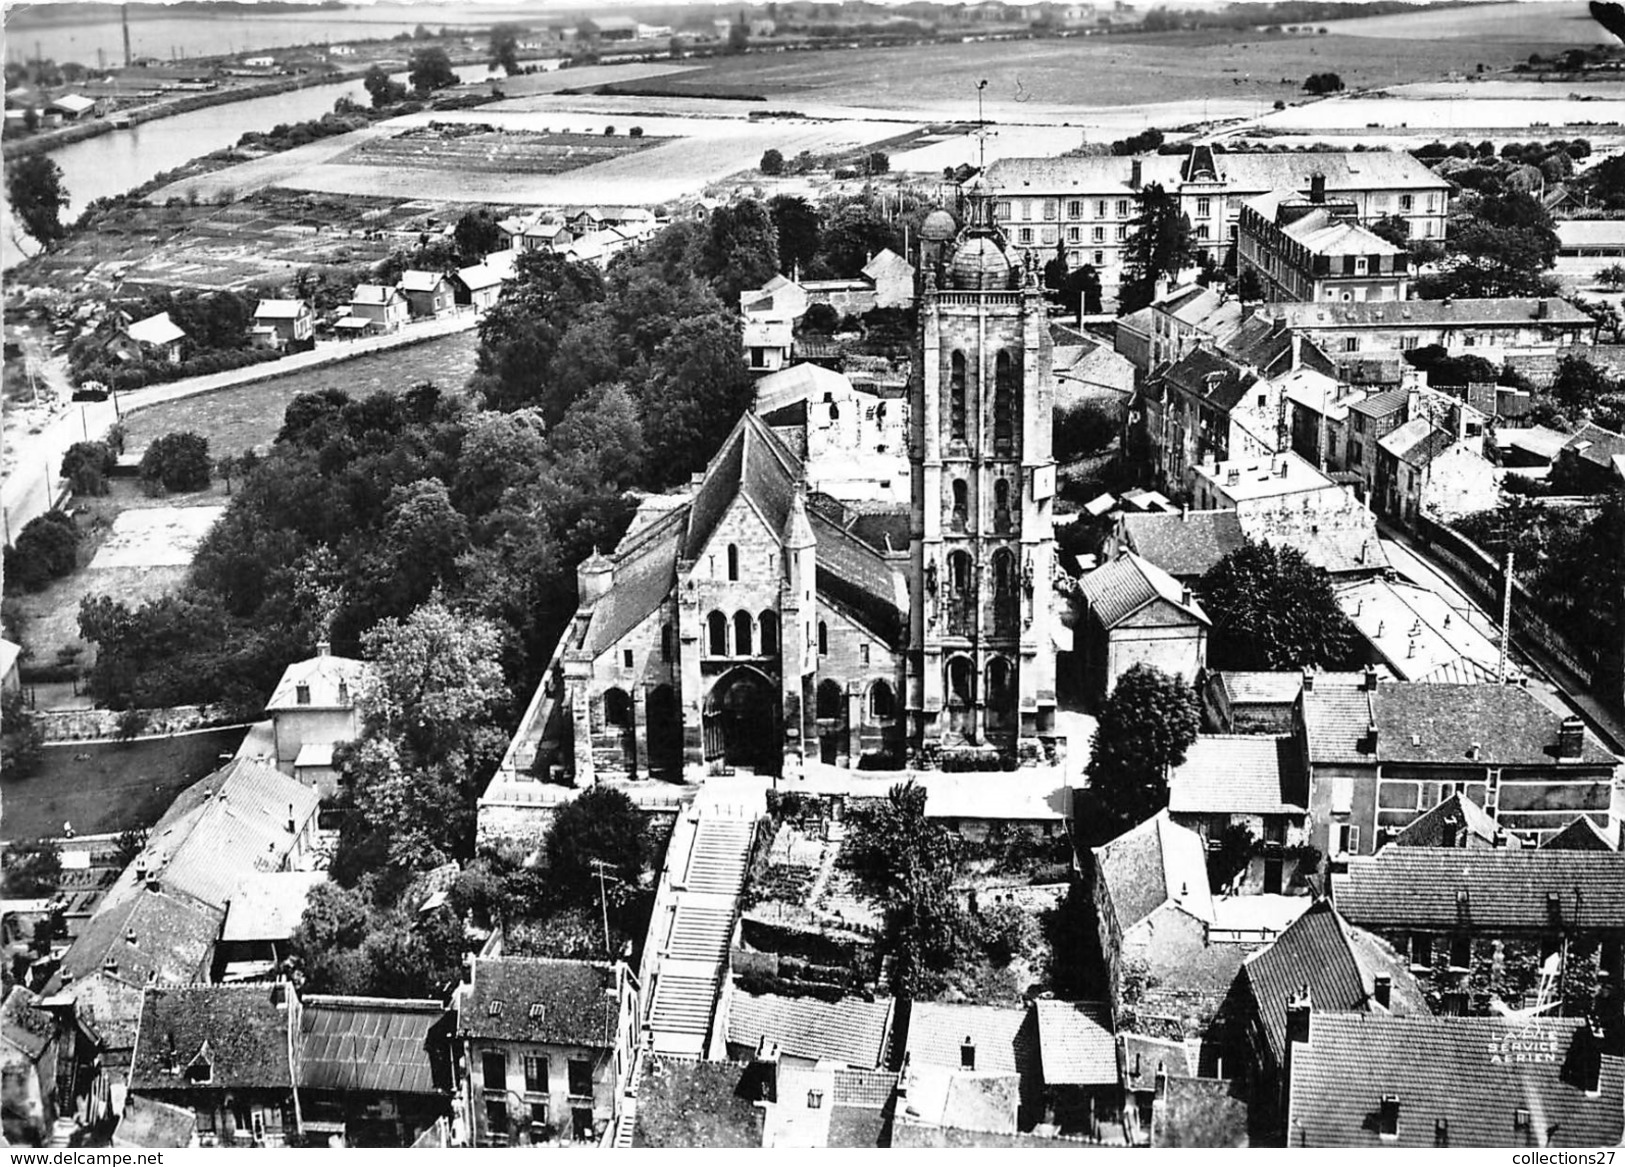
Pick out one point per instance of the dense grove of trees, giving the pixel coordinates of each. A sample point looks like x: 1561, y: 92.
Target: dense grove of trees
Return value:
x: 1273, y: 610
x: 1499, y: 245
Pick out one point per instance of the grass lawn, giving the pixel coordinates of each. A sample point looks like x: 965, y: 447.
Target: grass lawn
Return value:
x: 249, y: 416
x: 106, y: 787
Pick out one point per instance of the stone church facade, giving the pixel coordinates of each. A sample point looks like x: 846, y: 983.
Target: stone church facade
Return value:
x: 747, y: 623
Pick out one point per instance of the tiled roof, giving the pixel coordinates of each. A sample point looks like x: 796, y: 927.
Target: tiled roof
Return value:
x: 1006, y: 1040
x: 1142, y: 1056
x: 1430, y: 313
x: 554, y: 1002
x: 238, y: 1030
x: 1417, y: 442
x: 1239, y: 774
x: 865, y: 1088
x: 1211, y: 378
x: 1581, y: 835
x: 1439, y: 723
x: 281, y: 309
x: 421, y: 281
x: 645, y: 572
x: 1075, y: 1043
x: 172, y: 939
x: 1470, y: 1081
x: 324, y: 674
x: 753, y: 462
x: 1384, y: 404
x: 1337, y: 962
x: 374, y: 294
x: 849, y: 1031
x: 23, y: 1025
x: 1450, y: 823
x: 146, y: 1122
x: 363, y: 1043
x: 268, y: 905
x: 1155, y: 863
x: 1117, y: 590
x: 1595, y: 444
x: 1436, y: 887
x: 1186, y: 544
x: 1244, y: 172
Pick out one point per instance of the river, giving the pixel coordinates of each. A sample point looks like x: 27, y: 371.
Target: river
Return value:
x: 113, y: 163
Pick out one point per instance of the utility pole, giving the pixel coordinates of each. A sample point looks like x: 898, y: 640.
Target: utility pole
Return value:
x: 124, y: 14
x: 1506, y: 622
x: 599, y: 866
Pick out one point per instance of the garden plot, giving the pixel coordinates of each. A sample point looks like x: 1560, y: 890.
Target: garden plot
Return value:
x: 483, y: 149
x: 157, y: 537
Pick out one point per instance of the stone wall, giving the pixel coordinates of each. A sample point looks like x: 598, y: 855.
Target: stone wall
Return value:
x: 78, y: 725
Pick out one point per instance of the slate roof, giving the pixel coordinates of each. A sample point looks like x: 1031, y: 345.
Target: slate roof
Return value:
x: 1006, y: 1040
x: 1438, y: 723
x: 1156, y: 863
x: 478, y: 277
x: 1141, y: 1056
x: 375, y: 294
x: 173, y: 938
x: 1417, y: 633
x: 1384, y: 404
x: 1185, y: 545
x: 1339, y: 964
x: 1075, y: 1043
x: 1458, y: 1071
x: 280, y: 309
x: 238, y: 1029
x: 23, y: 1025
x: 1417, y: 442
x: 577, y: 999
x: 1496, y: 889
x: 148, y: 1122
x: 1456, y: 818
x: 371, y: 1044
x: 1581, y: 835
x: 1239, y: 774
x: 268, y: 905
x: 1257, y: 342
x: 1244, y: 172
x: 799, y: 382
x: 645, y: 572
x: 421, y: 281
x: 1461, y: 313
x: 323, y: 673
x: 753, y: 462
x: 1119, y: 589
x: 1211, y: 378
x: 850, y: 1031
x: 1595, y: 444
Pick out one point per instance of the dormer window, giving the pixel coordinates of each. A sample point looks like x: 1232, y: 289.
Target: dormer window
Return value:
x: 201, y: 1068
x: 344, y: 692
x: 537, y: 1011
x: 301, y: 694
x: 494, y: 1009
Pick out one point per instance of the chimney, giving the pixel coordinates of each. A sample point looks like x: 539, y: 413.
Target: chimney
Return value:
x: 1475, y: 751
x: 324, y: 648
x: 1136, y: 173
x: 1370, y: 678
x: 1308, y: 680
x: 1390, y: 1116
x: 1298, y: 1012
x: 1571, y: 738
x: 1413, y: 403
x: 467, y: 973
x: 1185, y: 597
x: 1317, y: 188
x: 595, y: 575
x: 1184, y: 512
x: 130, y: 938
x: 1541, y: 309
x: 1382, y: 991
x: 967, y: 1054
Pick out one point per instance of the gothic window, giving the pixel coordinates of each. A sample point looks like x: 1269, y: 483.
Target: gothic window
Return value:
x: 1006, y: 394
x: 1004, y: 592
x: 1001, y: 504
x: 959, y: 573
x: 961, y: 683
x: 617, y: 708
x: 961, y: 595
x: 823, y: 639
x: 733, y: 562
x: 665, y: 642
x: 882, y: 702
x: 956, y: 395
x: 961, y: 511
x: 717, y: 626
x: 742, y: 637
x: 830, y: 700
x: 769, y: 622
x: 1001, y: 690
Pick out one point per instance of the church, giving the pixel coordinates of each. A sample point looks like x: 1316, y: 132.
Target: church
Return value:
x: 755, y: 621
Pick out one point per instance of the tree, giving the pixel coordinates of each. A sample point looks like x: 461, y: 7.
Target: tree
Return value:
x: 1272, y: 610
x: 1083, y: 286
x: 430, y: 69
x: 876, y: 162
x: 383, y: 91
x: 1578, y: 385
x: 1249, y: 286
x: 34, y: 188
x: 738, y: 35
x: 1055, y: 271
x: 22, y: 741
x: 476, y: 235
x: 33, y: 869
x: 179, y: 461
x: 1395, y: 229
x: 693, y: 400
x: 797, y: 226
x: 601, y: 824
x: 738, y: 250
x: 47, y: 548
x: 1159, y: 246
x: 520, y: 335
x: 1231, y: 857
x: 86, y: 466
x: 772, y: 163
x: 505, y: 48
x: 1146, y: 726
x: 1320, y: 84
x: 1504, y: 248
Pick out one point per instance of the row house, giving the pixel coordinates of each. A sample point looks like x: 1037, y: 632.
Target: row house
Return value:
x: 1208, y: 408
x: 1314, y: 248
x: 1434, y: 468
x: 1188, y: 318
x: 1494, y: 329
x: 1253, y: 781
x: 1087, y: 204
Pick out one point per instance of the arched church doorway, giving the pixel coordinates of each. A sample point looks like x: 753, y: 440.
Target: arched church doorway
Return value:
x: 742, y: 721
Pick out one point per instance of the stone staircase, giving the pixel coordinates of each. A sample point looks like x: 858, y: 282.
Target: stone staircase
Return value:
x: 693, y: 956
x: 62, y: 1132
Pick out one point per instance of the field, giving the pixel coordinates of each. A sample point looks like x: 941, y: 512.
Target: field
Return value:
x: 474, y: 149
x: 1520, y: 24
x: 248, y: 417
x: 104, y: 788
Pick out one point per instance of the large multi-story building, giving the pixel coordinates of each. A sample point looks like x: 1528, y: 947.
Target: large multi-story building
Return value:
x: 1087, y: 204
x: 1314, y: 248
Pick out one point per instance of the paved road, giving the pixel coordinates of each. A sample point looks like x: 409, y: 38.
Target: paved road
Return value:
x: 33, y: 486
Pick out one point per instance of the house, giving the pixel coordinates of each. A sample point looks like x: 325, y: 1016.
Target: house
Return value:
x: 1418, y: 636
x: 74, y: 106
x: 160, y: 335
x: 1186, y: 545
x: 1583, y: 834
x: 1424, y: 468
x: 1210, y: 409
x: 547, y: 1045
x: 1325, y: 962
x: 1372, y: 1080
x: 1491, y: 928
x: 1090, y: 372
x: 1319, y: 407
x: 1132, y: 335
x: 261, y: 917
x: 375, y: 308
x: 1077, y: 1056
x: 1381, y: 754
x: 1314, y: 248
x: 1279, y: 482
x: 1492, y: 328
x: 1151, y: 900
x: 1188, y: 318
x: 285, y: 324
x: 1369, y: 421
x: 779, y: 298
x: 1252, y: 781
x: 822, y: 1106
x: 768, y: 341
x: 1136, y: 613
x: 1087, y: 203
x: 1588, y: 463
x: 428, y: 293
x: 986, y: 1058
x: 1250, y: 702
x: 224, y: 1053
x: 1145, y: 1067
x: 851, y: 1033
x: 315, y: 707
x: 854, y: 441
x: 478, y: 286
x: 32, y: 1044
x: 371, y: 1072
x: 1458, y: 821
